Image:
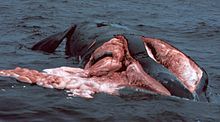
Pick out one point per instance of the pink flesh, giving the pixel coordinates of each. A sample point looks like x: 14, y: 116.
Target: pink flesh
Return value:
x: 72, y: 79
x: 135, y: 74
x: 178, y: 63
x: 106, y: 75
x: 107, y: 64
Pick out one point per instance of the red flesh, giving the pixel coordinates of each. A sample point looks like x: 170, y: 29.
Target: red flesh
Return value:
x: 186, y: 70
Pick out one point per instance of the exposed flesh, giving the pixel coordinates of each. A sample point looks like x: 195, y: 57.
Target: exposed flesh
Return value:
x: 72, y: 79
x: 186, y: 70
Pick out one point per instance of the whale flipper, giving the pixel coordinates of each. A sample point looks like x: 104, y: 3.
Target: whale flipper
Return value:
x: 50, y: 43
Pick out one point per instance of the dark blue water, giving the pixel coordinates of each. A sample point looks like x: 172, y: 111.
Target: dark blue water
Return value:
x: 192, y: 26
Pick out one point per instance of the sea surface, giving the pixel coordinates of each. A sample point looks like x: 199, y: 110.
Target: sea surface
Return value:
x: 193, y: 26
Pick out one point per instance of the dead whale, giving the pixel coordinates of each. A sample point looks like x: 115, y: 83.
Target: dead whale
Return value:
x: 121, y: 56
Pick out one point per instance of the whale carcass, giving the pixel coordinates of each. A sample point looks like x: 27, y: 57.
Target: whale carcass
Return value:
x: 113, y: 57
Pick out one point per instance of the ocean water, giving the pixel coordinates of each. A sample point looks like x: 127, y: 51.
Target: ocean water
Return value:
x: 191, y: 26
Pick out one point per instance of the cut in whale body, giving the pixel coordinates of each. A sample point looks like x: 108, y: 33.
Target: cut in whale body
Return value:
x: 186, y: 70
x: 122, y: 62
